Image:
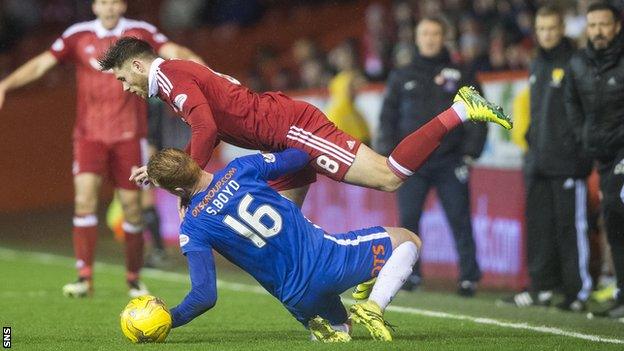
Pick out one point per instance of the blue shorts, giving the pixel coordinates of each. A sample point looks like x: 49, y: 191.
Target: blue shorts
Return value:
x: 346, y: 259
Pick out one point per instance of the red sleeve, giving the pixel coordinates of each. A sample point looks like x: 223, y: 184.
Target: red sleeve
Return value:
x: 188, y: 100
x: 203, y: 134
x: 63, y: 47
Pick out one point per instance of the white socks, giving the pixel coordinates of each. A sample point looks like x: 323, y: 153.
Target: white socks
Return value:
x: 460, y: 108
x: 394, y: 273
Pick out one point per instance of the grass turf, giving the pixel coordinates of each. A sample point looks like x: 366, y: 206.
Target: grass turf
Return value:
x: 246, y: 319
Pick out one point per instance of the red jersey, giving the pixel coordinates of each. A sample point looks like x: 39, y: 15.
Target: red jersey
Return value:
x: 104, y: 111
x: 218, y: 107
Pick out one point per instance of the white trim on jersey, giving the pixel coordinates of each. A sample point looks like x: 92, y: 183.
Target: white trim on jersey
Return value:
x: 88, y: 26
x: 320, y: 144
x: 346, y: 153
x: 151, y: 78
x: 319, y: 148
x: 399, y: 168
x: 164, y: 79
x: 123, y: 25
x: 130, y: 24
x: 162, y: 84
x: 85, y: 221
x: 359, y: 239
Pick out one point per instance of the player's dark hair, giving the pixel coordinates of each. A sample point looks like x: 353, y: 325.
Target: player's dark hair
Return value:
x: 604, y: 5
x: 172, y: 168
x: 123, y: 50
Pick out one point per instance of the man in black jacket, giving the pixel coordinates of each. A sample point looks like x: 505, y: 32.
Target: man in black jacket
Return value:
x: 595, y: 103
x: 415, y: 94
x: 556, y: 202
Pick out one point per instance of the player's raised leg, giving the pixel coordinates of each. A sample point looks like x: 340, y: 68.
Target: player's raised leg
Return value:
x: 86, y: 190
x: 405, y: 251
x: 375, y: 171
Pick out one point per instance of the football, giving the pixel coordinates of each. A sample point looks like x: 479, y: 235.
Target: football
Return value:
x: 146, y: 319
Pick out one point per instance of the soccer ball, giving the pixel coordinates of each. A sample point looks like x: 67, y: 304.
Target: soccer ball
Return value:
x: 146, y: 319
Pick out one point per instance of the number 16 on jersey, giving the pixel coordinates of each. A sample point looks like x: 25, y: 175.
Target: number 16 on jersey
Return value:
x: 255, y: 230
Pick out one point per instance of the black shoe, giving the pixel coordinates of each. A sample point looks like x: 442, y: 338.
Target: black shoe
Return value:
x: 412, y: 283
x: 616, y: 311
x: 526, y: 299
x: 572, y: 305
x: 466, y: 288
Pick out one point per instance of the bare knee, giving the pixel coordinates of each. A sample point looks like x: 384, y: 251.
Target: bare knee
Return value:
x: 131, y: 206
x: 371, y: 170
x: 399, y: 235
x: 85, y: 203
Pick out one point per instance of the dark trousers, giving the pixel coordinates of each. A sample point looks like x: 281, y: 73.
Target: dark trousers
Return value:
x: 557, y: 242
x: 454, y: 196
x: 611, y: 185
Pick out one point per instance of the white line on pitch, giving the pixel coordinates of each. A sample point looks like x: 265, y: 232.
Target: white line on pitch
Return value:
x: 15, y: 255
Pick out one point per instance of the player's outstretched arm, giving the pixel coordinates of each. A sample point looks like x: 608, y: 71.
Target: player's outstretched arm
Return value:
x: 274, y: 165
x: 171, y: 50
x: 203, y: 134
x: 28, y: 72
x: 203, y: 294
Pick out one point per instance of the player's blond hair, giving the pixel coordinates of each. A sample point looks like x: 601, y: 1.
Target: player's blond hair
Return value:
x: 172, y: 168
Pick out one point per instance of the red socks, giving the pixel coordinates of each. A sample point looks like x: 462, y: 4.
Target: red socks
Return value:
x: 84, y: 238
x: 134, y: 250
x: 416, y: 148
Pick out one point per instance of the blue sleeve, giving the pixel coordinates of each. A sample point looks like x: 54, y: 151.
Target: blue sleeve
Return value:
x: 274, y: 165
x: 203, y: 294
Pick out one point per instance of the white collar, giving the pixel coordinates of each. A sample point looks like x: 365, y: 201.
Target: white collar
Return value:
x: 151, y: 78
x: 102, y: 32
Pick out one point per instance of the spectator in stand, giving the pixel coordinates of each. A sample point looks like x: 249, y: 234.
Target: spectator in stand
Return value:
x: 404, y: 49
x: 376, y: 43
x: 343, y: 89
x: 313, y: 74
x: 180, y: 14
x: 472, y: 46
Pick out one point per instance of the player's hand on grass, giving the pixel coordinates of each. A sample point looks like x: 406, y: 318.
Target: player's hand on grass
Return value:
x: 139, y: 176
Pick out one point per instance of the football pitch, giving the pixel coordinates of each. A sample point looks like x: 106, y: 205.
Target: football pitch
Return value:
x: 246, y: 318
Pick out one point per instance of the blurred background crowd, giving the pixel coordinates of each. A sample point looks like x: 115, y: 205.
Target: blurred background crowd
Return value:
x: 484, y: 35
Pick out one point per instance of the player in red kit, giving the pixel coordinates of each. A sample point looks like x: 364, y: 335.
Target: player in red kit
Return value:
x: 217, y: 108
x: 108, y: 133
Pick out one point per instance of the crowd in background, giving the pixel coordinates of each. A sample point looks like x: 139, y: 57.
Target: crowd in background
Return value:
x: 484, y: 35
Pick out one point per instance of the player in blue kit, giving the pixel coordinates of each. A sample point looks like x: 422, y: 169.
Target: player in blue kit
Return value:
x: 235, y: 212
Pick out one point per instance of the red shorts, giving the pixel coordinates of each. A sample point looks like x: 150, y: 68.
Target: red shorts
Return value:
x: 114, y: 160
x: 332, y: 151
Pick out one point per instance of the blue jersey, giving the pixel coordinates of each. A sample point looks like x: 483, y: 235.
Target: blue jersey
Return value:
x: 254, y: 227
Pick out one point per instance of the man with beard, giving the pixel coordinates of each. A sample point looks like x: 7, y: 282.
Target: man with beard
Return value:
x: 595, y: 104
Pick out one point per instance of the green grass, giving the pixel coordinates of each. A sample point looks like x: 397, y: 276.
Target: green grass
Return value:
x: 247, y: 319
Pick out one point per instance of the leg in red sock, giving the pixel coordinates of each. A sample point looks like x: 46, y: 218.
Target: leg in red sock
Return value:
x: 416, y: 148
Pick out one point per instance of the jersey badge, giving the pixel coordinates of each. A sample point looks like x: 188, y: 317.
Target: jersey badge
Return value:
x: 184, y: 239
x: 268, y: 158
x: 179, y: 101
